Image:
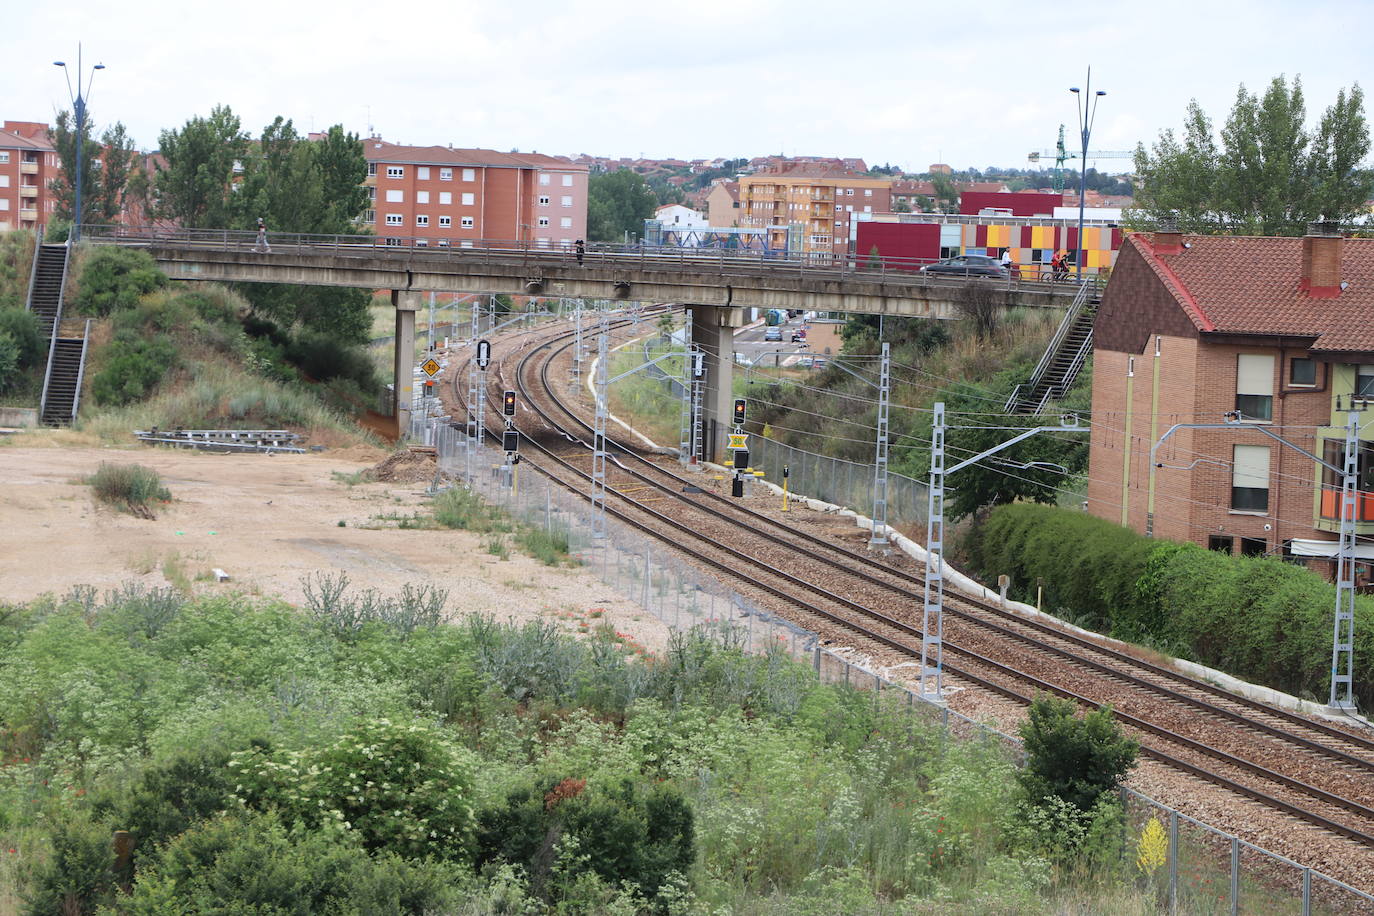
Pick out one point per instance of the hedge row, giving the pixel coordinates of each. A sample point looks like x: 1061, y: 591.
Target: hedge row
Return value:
x: 1258, y: 618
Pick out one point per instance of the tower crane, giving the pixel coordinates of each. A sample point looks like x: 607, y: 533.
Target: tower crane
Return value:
x: 1062, y: 155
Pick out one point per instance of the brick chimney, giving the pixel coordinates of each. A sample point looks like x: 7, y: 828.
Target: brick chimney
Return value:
x: 1168, y: 239
x: 1321, y: 260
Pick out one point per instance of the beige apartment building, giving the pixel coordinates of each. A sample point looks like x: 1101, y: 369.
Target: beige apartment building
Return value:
x: 808, y: 208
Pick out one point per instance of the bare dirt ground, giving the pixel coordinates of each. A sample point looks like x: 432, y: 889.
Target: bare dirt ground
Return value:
x: 270, y: 522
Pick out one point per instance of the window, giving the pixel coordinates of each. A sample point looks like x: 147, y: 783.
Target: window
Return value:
x: 1302, y: 373
x: 543, y: 220
x: 395, y: 219
x: 445, y: 221
x: 4, y: 157
x: 1255, y: 386
x: 567, y: 200
x: 467, y: 222
x: 1253, y: 547
x: 445, y: 198
x: 371, y: 192
x: 848, y: 192
x: 469, y: 175
x: 1220, y: 543
x: 544, y: 178
x: 446, y: 174
x: 395, y: 171
x: 868, y: 192
x: 543, y: 200
x: 422, y: 197
x: 395, y: 196
x: 465, y: 243
x: 565, y: 222
x: 868, y: 209
x: 4, y: 203
x: 1250, y: 478
x: 422, y: 220
x: 1364, y: 381
x: 422, y: 243
x: 370, y: 216
x: 422, y: 172
x: 443, y: 243
x: 4, y: 181
x: 467, y: 199
x: 372, y: 168
x: 567, y: 181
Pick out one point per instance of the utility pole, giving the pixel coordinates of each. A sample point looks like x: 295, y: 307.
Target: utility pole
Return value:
x: 599, y: 440
x: 879, y: 535
x: 577, y: 347
x: 685, y: 454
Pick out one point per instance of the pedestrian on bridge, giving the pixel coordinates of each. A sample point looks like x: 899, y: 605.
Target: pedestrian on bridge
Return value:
x: 262, y: 237
x: 581, y: 250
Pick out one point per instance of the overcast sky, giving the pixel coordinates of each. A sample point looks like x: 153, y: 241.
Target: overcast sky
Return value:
x: 911, y: 83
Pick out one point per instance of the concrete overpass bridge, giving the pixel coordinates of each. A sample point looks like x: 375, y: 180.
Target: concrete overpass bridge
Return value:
x: 717, y: 284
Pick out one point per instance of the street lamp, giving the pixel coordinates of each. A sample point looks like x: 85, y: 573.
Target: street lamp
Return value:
x: 79, y: 107
x: 1087, y: 113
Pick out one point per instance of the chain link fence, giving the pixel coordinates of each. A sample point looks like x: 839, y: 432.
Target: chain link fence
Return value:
x: 1197, y: 869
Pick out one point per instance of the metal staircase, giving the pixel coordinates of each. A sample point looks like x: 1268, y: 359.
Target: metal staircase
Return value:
x: 1068, y: 350
x: 46, y: 283
x: 62, y: 383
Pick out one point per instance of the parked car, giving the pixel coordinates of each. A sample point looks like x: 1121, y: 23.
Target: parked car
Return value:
x: 799, y: 334
x: 967, y: 265
x: 773, y: 333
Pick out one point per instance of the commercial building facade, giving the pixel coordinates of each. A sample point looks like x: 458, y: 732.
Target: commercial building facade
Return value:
x: 438, y: 196
x: 1259, y: 336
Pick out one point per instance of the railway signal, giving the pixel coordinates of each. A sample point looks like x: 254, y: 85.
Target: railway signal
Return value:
x: 510, y: 441
x: 483, y: 353
x: 739, y: 412
x: 508, y: 403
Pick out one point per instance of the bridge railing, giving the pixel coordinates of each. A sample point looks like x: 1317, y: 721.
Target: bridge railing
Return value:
x: 537, y: 254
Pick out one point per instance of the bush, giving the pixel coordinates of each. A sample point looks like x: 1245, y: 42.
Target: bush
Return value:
x: 114, y: 278
x: 9, y: 362
x: 169, y: 798
x: 1077, y: 760
x: 23, y: 327
x: 134, y: 366
x: 322, y: 357
x: 129, y: 486
x: 79, y: 875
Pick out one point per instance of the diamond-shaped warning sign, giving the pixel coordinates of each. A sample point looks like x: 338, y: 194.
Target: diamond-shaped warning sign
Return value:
x: 431, y: 367
x: 738, y: 441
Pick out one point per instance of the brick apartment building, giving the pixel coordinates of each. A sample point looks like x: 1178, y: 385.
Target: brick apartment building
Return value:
x: 808, y: 207
x: 1279, y: 332
x: 28, y: 164
x: 441, y: 196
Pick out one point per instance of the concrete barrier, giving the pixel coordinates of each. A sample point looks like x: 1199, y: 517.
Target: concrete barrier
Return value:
x: 18, y: 417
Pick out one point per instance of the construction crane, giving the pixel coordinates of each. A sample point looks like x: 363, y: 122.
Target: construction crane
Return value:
x: 1062, y: 155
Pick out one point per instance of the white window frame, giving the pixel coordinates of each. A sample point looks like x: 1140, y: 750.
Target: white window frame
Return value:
x: 545, y: 178
x: 1255, y: 379
x: 445, y: 222
x: 395, y: 196
x: 565, y: 222
x: 446, y: 174
x: 422, y: 197
x: 369, y: 216
x: 395, y: 171
x: 395, y: 219
x: 422, y: 172
x: 371, y: 167
x: 543, y: 221
x: 422, y: 220
x: 467, y: 222
x: 469, y: 174
x: 566, y: 200
x: 567, y: 181
x: 4, y: 157
x: 1250, y: 471
x: 445, y: 198
x: 468, y: 199
x: 543, y: 200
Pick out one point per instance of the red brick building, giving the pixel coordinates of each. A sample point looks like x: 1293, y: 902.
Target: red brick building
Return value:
x: 28, y: 164
x: 441, y: 196
x: 1276, y: 332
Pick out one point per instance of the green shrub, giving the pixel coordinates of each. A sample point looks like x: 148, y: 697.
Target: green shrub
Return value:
x: 548, y: 547
x: 78, y: 876
x: 23, y: 327
x: 115, y: 278
x: 129, y: 486
x: 9, y: 361
x: 134, y: 366
x: 1077, y: 760
x: 459, y: 507
x: 322, y: 356
x: 168, y: 798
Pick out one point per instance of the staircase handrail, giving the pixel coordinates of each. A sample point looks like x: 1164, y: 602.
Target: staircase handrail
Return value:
x: 56, y: 330
x: 33, y: 267
x: 1010, y: 406
x: 81, y: 369
x: 1065, y: 326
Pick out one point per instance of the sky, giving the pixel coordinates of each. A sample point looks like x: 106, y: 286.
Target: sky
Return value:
x: 908, y: 83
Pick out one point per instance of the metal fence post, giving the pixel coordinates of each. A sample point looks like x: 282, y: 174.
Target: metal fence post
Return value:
x: 1235, y: 876
x: 1307, y: 892
x: 1173, y: 862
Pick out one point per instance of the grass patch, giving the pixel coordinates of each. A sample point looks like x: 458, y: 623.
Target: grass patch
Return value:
x: 350, y: 480
x: 495, y: 544
x: 548, y: 547
x: 465, y: 510
x: 131, y: 487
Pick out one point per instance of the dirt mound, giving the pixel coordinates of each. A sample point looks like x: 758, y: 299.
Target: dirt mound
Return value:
x: 405, y: 467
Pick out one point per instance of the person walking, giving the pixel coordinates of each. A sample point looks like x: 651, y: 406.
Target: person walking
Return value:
x: 262, y: 237
x: 581, y: 250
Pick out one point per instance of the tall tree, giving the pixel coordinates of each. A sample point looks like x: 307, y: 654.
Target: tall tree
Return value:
x: 618, y: 203
x: 106, y: 169
x: 1268, y: 176
x: 195, y: 187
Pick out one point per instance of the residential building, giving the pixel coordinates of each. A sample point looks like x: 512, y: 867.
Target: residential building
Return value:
x: 28, y: 164
x: 442, y: 196
x: 676, y: 216
x: 808, y: 208
x: 722, y: 203
x: 1271, y: 337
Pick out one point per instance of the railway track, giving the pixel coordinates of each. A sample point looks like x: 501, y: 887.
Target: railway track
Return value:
x: 1313, y: 771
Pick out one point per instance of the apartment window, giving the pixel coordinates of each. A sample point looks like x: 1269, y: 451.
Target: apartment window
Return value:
x: 469, y: 175
x: 422, y: 197
x: 567, y: 181
x: 543, y: 200
x: 395, y: 171
x: 4, y: 181
x: 848, y: 192
x: 422, y: 172
x: 868, y: 209
x: 868, y: 192
x: 468, y: 199
x: 544, y: 178
x: 371, y: 167
x: 422, y: 243
x: 467, y: 222
x: 1364, y: 381
x: 1250, y: 478
x: 422, y: 220
x: 1302, y: 372
x: 371, y: 192
x: 4, y: 203
x: 567, y: 200
x: 446, y: 174
x: 395, y: 219
x: 543, y: 221
x: 4, y: 157
x: 369, y: 216
x: 465, y: 243
x: 849, y: 208
x: 565, y: 222
x: 395, y: 196
x: 1253, y: 547
x: 445, y: 198
x: 1255, y: 386
x: 1220, y: 543
x: 444, y: 243
x: 445, y: 221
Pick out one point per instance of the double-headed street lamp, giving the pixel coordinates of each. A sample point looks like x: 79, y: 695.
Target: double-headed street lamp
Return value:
x: 79, y: 107
x: 1087, y: 113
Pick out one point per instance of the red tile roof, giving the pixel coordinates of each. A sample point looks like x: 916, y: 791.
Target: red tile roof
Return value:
x: 10, y: 140
x: 1250, y: 285
x: 381, y: 151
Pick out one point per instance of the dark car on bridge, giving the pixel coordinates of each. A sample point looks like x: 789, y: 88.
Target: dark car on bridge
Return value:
x: 966, y: 265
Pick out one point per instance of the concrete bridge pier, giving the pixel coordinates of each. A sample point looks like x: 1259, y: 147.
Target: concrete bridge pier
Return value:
x: 713, y: 330
x: 406, y: 303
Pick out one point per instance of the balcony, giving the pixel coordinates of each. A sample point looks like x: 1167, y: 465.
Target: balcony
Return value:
x: 28, y: 213
x: 28, y: 168
x: 1331, y: 505
x: 28, y: 190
